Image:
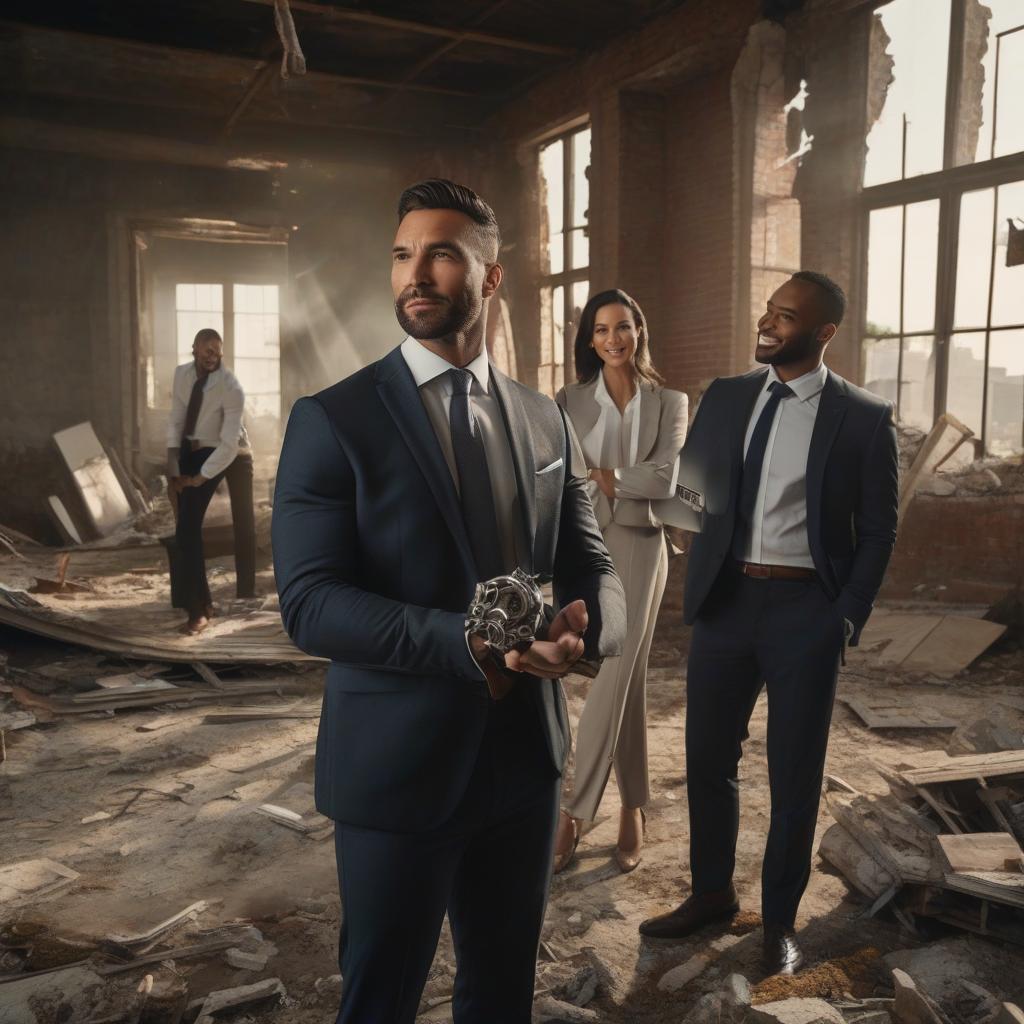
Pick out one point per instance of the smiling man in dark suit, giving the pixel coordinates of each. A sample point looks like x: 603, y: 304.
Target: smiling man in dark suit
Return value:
x: 800, y: 524
x: 399, y: 489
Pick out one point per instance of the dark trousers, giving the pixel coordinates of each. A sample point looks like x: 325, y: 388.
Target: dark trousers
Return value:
x: 787, y: 636
x: 489, y: 867
x: 191, y: 585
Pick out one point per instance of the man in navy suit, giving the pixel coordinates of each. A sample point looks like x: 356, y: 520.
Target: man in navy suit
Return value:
x: 399, y: 489
x: 800, y: 524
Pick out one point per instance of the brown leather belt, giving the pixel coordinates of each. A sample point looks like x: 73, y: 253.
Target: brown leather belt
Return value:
x: 194, y: 444
x: 776, y: 572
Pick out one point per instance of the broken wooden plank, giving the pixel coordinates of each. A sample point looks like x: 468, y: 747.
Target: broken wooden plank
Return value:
x: 114, y: 700
x: 1006, y: 887
x: 882, y: 713
x: 968, y: 766
x: 31, y: 880
x: 207, y: 675
x: 148, y: 937
x: 248, y: 996
x: 979, y: 851
x: 228, y: 715
x: 259, y: 638
x: 935, y: 643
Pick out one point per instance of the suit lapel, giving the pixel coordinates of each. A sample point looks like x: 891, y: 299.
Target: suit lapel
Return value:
x: 517, y: 426
x: 398, y: 392
x: 584, y: 409
x: 831, y: 410
x: 650, y: 415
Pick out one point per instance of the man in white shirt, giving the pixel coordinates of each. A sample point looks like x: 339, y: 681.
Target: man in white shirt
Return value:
x: 800, y: 468
x: 207, y: 442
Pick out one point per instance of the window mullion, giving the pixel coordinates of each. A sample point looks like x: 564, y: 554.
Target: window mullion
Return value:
x: 954, y: 78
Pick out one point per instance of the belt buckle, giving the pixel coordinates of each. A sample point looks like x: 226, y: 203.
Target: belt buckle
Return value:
x: 757, y: 572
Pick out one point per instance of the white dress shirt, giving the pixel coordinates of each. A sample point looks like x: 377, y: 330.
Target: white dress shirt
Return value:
x: 611, y: 443
x: 430, y: 373
x: 779, y: 529
x: 219, y: 424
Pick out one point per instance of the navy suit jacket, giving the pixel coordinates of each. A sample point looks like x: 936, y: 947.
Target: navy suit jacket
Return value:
x: 375, y: 572
x: 852, y: 489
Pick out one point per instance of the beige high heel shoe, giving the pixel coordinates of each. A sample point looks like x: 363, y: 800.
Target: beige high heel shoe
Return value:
x: 565, y: 858
x: 629, y: 859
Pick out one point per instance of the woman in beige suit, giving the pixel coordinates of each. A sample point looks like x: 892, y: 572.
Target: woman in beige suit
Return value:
x: 631, y: 430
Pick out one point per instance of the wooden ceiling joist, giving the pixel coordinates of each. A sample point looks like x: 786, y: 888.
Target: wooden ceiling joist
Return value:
x: 336, y: 13
x: 33, y: 34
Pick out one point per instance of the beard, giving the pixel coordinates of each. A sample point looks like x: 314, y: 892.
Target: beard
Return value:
x: 450, y: 317
x: 795, y: 350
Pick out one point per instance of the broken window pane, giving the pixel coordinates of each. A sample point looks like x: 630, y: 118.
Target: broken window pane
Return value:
x: 965, y: 389
x: 907, y: 138
x: 917, y: 386
x: 1005, y: 427
x: 1008, y: 286
x: 974, y: 258
x: 920, y: 264
x: 885, y: 233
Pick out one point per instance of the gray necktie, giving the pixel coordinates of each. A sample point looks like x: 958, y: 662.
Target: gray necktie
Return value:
x: 475, y: 492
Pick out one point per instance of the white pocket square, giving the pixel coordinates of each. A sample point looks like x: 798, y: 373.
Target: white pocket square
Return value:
x: 548, y: 469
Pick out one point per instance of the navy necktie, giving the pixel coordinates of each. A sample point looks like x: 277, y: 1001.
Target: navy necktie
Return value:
x: 475, y: 492
x: 753, y: 465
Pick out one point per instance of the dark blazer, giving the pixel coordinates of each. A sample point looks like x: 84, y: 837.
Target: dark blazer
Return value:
x: 375, y: 572
x: 852, y: 489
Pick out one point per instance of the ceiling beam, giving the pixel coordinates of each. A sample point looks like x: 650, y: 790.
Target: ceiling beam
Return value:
x: 330, y: 11
x: 214, y: 56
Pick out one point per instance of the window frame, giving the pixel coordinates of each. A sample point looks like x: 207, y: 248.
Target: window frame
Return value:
x: 948, y: 186
x: 567, y: 277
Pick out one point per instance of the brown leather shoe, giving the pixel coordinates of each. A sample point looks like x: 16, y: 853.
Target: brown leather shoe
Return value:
x: 780, y: 953
x: 692, y: 914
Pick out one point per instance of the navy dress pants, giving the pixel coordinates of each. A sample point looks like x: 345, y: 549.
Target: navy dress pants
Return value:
x: 787, y: 636
x: 488, y: 867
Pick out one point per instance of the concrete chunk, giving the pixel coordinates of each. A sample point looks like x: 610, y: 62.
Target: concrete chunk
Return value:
x: 795, y: 1011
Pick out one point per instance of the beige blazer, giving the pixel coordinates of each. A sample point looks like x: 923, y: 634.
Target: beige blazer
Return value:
x: 663, y: 419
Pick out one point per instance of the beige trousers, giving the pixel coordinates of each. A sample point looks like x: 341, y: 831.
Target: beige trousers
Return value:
x: 613, y: 727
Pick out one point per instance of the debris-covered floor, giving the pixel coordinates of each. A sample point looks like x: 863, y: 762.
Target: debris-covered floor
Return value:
x: 133, y: 832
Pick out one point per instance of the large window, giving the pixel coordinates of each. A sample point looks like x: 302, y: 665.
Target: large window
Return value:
x: 565, y: 251
x: 252, y: 346
x: 944, y: 190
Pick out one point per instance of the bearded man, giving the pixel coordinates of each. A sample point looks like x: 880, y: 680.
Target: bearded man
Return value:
x: 399, y: 490
x: 800, y: 524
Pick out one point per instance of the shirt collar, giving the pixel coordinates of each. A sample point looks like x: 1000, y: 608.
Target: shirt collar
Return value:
x: 212, y: 376
x: 426, y: 365
x: 805, y: 387
x: 602, y: 397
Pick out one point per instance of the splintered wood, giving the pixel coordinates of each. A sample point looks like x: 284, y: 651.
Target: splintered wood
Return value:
x: 945, y: 843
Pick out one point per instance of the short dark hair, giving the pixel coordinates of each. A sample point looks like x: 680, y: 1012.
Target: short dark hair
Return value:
x: 206, y: 334
x: 833, y: 298
x: 588, y: 362
x: 442, y: 194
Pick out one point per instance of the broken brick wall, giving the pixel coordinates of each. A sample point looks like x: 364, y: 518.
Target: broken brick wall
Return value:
x: 959, y: 548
